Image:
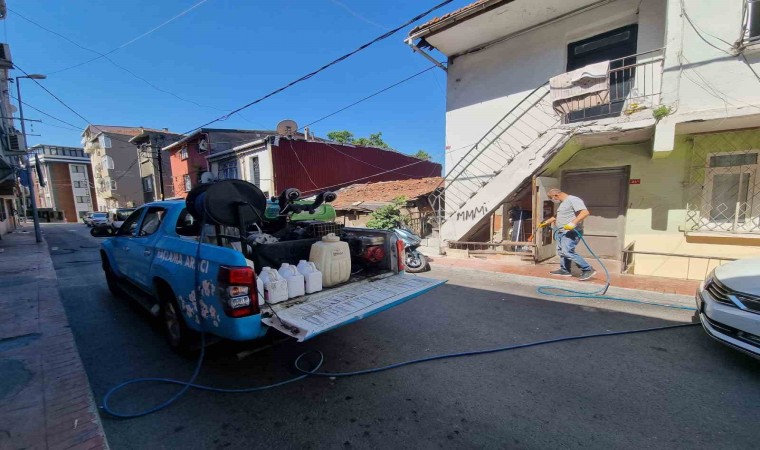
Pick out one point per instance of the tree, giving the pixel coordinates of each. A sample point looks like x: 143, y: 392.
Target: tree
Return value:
x: 344, y: 137
x: 422, y: 154
x: 347, y: 137
x: 388, y: 216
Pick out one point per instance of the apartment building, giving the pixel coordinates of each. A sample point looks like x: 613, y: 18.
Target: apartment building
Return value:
x: 66, y: 184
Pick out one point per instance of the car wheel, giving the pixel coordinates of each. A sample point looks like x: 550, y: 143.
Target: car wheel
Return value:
x: 111, y: 279
x: 179, y: 336
x: 416, y: 262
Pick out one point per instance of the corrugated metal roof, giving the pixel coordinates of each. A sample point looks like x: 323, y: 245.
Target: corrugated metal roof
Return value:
x: 316, y: 166
x: 460, y: 14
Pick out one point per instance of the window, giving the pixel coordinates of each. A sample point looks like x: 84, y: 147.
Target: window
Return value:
x: 255, y: 171
x: 77, y: 168
x: 130, y: 224
x: 729, y: 202
x: 80, y: 184
x: 105, y: 141
x: 183, y: 153
x: 83, y: 199
x: 228, y: 169
x: 188, y: 182
x: 752, y: 21
x: 153, y: 218
x: 112, y: 184
x: 147, y: 183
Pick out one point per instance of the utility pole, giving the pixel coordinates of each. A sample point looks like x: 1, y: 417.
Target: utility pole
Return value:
x: 32, y: 197
x: 160, y: 169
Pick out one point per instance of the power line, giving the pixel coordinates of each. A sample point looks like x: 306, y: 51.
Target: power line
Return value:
x: 131, y: 41
x: 324, y: 67
x: 368, y: 97
x: 46, y: 114
x: 104, y: 55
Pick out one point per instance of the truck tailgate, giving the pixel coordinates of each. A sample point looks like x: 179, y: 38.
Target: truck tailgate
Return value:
x: 305, y: 317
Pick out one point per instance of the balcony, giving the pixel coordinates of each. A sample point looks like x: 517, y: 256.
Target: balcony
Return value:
x: 632, y: 91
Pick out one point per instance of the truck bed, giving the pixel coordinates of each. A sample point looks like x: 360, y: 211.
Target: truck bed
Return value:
x: 307, y: 316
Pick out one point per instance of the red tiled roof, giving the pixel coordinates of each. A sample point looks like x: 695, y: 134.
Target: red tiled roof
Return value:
x: 385, y: 191
x: 464, y: 11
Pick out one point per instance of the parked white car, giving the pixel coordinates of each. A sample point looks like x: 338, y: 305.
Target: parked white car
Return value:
x: 97, y: 219
x: 728, y: 302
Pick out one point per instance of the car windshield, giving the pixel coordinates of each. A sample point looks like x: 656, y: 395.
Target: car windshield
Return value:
x: 99, y: 215
x: 122, y: 214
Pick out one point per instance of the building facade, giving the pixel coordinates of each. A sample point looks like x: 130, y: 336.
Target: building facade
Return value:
x: 155, y: 168
x: 647, y: 109
x: 67, y: 185
x: 115, y: 164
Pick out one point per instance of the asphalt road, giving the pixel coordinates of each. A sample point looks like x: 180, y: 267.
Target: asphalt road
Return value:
x: 666, y: 389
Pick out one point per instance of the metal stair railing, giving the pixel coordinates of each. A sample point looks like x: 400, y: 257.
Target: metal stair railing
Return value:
x: 530, y: 119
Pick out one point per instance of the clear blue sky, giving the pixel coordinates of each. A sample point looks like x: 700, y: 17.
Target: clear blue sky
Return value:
x: 223, y: 54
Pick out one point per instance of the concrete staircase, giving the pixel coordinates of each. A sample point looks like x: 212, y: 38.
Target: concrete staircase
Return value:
x: 507, y: 155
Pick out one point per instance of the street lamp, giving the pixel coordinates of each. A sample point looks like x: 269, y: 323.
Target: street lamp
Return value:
x: 33, y: 199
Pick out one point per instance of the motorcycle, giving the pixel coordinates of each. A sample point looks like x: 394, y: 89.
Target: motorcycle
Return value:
x: 415, y: 261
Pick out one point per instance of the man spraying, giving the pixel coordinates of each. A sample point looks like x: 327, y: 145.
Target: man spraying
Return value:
x: 570, y: 215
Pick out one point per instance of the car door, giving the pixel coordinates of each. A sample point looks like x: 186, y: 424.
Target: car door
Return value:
x: 122, y: 242
x: 143, y: 245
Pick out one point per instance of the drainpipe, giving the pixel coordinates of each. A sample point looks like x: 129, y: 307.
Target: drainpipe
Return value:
x: 416, y: 49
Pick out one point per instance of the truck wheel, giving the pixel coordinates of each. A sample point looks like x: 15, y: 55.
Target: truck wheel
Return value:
x: 111, y: 279
x: 180, y: 337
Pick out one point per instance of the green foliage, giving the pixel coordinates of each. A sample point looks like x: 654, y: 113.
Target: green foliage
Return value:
x: 344, y: 136
x: 422, y: 154
x: 661, y: 112
x: 347, y: 137
x: 389, y: 216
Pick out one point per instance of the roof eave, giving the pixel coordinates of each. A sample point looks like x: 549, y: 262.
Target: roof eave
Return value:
x: 454, y: 18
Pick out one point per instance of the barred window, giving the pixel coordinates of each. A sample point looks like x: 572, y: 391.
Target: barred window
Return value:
x: 188, y: 182
x: 724, y: 188
x: 228, y: 169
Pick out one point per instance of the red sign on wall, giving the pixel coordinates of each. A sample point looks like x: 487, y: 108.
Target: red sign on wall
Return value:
x: 634, y: 181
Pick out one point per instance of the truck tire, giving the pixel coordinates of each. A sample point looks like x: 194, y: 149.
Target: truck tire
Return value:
x: 179, y: 336
x: 111, y: 279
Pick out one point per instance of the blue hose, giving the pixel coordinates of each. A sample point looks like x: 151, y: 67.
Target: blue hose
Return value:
x: 598, y: 294
x: 320, y: 360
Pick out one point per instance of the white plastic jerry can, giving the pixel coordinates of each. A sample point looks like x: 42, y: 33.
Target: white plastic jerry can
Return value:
x: 294, y: 279
x: 311, y: 276
x: 275, y: 287
x: 333, y: 258
x: 260, y: 290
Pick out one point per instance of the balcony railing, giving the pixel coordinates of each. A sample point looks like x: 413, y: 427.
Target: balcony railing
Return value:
x: 634, y: 85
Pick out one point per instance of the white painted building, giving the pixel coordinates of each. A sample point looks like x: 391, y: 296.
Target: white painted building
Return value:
x: 665, y: 152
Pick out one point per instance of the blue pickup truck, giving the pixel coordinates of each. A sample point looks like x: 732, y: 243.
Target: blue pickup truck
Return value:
x: 201, y: 281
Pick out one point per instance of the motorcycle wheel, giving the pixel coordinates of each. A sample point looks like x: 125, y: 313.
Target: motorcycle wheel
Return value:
x: 416, y: 262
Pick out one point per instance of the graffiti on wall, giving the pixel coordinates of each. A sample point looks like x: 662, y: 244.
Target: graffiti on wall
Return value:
x: 472, y: 213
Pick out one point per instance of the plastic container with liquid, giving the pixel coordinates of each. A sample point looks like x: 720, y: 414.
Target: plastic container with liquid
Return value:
x: 275, y: 286
x: 333, y: 258
x: 294, y: 278
x: 311, y: 276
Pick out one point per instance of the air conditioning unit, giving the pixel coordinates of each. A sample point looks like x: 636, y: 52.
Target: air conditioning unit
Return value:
x: 5, y: 57
x: 16, y: 143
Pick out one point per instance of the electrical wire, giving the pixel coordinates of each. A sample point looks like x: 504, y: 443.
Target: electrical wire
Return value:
x: 104, y: 55
x: 368, y: 97
x: 384, y: 36
x: 47, y: 114
x: 131, y: 41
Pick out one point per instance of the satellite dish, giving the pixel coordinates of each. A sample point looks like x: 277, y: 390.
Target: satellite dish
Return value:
x: 287, y: 127
x: 207, y: 177
x: 203, y: 145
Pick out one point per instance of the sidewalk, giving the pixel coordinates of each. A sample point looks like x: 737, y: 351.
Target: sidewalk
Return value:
x: 45, y: 396
x: 640, y: 282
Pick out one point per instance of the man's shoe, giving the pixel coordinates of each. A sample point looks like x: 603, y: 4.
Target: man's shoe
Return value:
x: 587, y: 274
x: 561, y: 272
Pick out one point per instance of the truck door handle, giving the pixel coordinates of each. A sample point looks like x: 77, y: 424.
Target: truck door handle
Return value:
x: 146, y: 252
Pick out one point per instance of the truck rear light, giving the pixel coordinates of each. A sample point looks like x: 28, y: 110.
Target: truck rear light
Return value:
x: 401, y: 255
x: 237, y: 291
